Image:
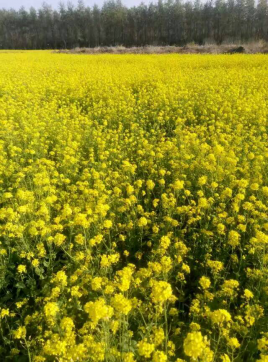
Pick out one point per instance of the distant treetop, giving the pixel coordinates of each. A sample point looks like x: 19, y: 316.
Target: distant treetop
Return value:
x: 165, y: 23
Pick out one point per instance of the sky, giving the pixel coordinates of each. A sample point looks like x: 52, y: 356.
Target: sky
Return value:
x: 17, y: 4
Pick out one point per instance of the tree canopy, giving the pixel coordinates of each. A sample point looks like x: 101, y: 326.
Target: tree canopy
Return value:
x: 170, y: 22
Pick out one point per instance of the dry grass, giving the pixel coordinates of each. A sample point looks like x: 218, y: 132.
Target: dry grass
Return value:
x: 251, y: 48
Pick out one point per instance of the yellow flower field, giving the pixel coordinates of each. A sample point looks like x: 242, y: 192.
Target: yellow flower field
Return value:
x: 133, y: 208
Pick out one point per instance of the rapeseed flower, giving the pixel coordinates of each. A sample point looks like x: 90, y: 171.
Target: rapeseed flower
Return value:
x: 134, y: 200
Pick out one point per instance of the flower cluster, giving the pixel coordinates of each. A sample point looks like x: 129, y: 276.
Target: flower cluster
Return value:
x: 134, y: 201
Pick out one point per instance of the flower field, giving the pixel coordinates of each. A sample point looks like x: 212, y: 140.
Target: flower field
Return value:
x: 133, y: 208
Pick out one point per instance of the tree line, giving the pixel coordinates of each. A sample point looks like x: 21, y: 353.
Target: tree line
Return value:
x: 170, y: 22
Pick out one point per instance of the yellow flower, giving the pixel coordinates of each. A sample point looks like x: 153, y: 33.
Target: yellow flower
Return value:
x: 60, y: 278
x: 233, y: 238
x: 145, y: 349
x: 202, y: 180
x: 164, y: 242
x: 158, y: 336
x: 264, y: 358
x: 121, y: 304
x: 142, y: 222
x: 159, y: 356
x: 108, y: 224
x: 221, y: 228
x: 98, y: 310
x: 128, y: 357
x: 35, y: 263
x: 229, y: 287
x: 254, y: 186
x: 161, y: 292
x: 248, y: 294
x: 156, y: 161
x: 96, y: 283
x: 51, y: 309
x: 195, y: 326
x: 178, y: 185
x: 203, y: 202
x: 215, y: 266
x: 59, y: 239
x: 20, y: 333
x: 220, y: 316
x: 21, y: 269
x: 205, y: 282
x: 150, y: 185
x: 194, y: 345
x: 233, y: 343
x: 4, y: 313
x: 67, y: 325
x: 225, y: 358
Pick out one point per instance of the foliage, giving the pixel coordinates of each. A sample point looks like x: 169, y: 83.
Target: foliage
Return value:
x: 170, y: 22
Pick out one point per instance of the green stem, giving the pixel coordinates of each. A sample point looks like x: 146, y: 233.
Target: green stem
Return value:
x: 166, y: 327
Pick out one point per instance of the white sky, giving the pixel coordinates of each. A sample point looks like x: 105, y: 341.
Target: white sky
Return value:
x: 17, y: 4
